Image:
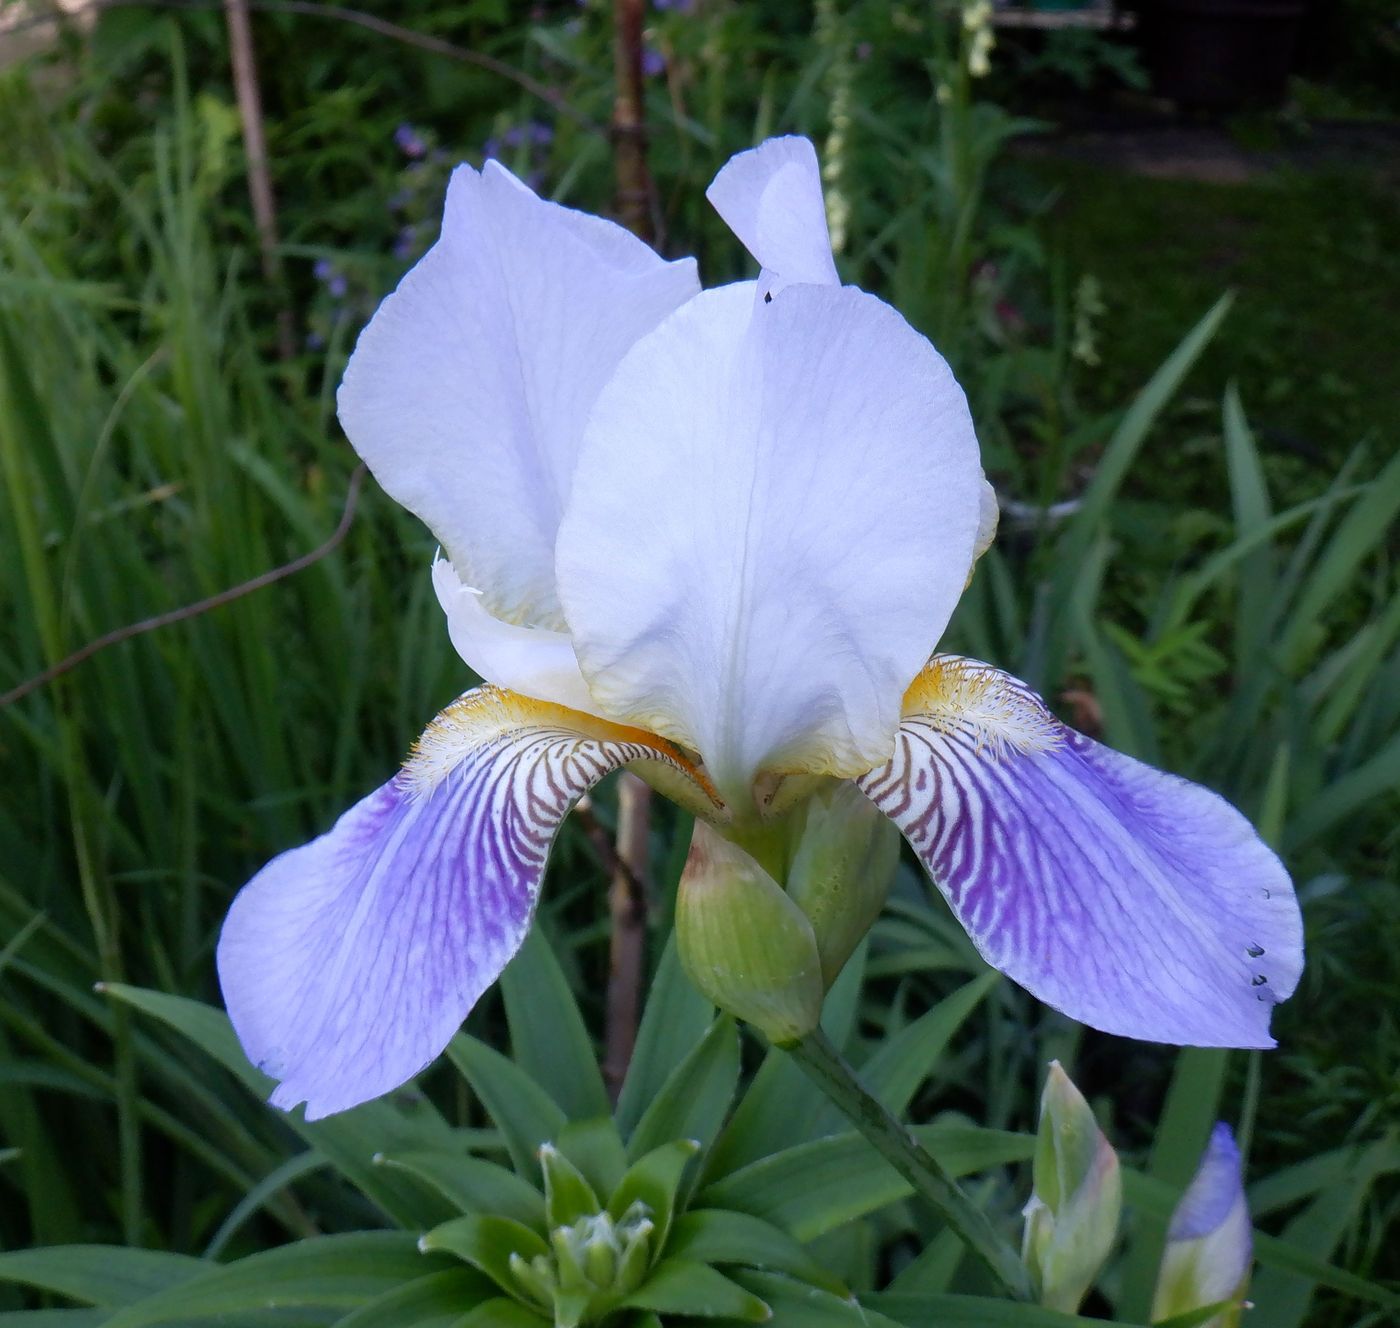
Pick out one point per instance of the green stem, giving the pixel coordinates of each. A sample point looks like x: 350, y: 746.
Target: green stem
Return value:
x: 824, y: 1065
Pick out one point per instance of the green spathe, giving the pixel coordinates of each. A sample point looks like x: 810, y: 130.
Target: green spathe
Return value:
x: 745, y: 944
x: 1072, y: 1216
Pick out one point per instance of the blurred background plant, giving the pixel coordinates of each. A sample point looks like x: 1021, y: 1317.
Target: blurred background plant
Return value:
x: 1197, y: 557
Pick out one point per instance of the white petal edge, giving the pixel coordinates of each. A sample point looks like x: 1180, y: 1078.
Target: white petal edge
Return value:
x: 771, y: 198
x: 467, y: 391
x: 533, y: 661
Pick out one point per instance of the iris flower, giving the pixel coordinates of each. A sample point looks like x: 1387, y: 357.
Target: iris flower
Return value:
x: 712, y: 536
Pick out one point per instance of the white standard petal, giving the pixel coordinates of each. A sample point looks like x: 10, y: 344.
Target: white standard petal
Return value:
x: 771, y: 198
x: 468, y: 390
x: 533, y: 661
x: 772, y: 521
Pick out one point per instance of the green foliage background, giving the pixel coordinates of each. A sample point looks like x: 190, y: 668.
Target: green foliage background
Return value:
x: 1210, y: 604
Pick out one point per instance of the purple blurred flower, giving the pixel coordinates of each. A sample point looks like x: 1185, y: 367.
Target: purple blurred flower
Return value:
x: 653, y: 62
x: 541, y: 134
x: 315, y: 341
x: 331, y: 278
x: 676, y: 6
x: 409, y: 141
x: 514, y: 136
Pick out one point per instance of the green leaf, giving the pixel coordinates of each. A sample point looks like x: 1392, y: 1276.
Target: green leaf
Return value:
x: 349, y: 1140
x: 976, y: 1312
x: 655, y: 1180
x: 435, y: 1301
x: 333, y: 1272
x: 502, y: 1313
x: 472, y: 1185
x: 487, y: 1243
x: 893, y: 1074
x: 1190, y: 1113
x: 277, y: 1180
x: 567, y: 1195
x: 692, y: 1103
x: 53, y: 1318
x: 596, y: 1149
x: 797, y: 1305
x: 1118, y: 456
x: 1249, y: 495
x: 815, y: 1187
x: 778, y: 1109
x: 721, y: 1235
x: 548, y: 1039
x: 691, y: 1289
x: 523, y: 1112
x: 1365, y: 528
x: 674, y: 1020
x: 99, y: 1274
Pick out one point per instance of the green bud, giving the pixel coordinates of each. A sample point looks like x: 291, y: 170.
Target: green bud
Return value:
x: 535, y: 1278
x: 842, y: 871
x: 1072, y: 1216
x: 744, y: 943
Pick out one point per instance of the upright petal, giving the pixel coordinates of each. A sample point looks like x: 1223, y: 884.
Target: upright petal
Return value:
x: 773, y: 517
x: 347, y: 964
x: 1132, y: 900
x: 771, y: 198
x: 468, y: 390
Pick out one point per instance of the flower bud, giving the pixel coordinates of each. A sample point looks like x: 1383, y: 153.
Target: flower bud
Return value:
x: 1072, y: 1216
x: 1210, y: 1248
x: 744, y: 943
x: 842, y: 871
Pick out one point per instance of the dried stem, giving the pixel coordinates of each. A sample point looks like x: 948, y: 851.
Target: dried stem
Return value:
x: 245, y: 83
x: 627, y: 904
x: 223, y: 597
x: 635, y: 192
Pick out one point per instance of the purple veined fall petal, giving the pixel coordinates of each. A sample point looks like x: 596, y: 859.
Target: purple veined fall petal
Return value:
x: 347, y: 964
x: 1132, y: 900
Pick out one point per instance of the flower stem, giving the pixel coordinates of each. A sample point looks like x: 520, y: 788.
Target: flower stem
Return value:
x: 824, y: 1065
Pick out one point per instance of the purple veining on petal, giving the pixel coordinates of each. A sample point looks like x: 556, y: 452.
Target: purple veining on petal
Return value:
x: 348, y: 963
x: 1133, y: 900
x: 1216, y: 1189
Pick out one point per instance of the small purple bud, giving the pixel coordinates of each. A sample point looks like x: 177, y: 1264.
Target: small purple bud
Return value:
x: 653, y: 62
x: 324, y: 270
x: 514, y: 136
x: 541, y: 134
x: 315, y: 341
x: 337, y: 286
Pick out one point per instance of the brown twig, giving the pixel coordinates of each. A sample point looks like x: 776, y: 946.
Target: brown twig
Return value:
x: 215, y: 601
x: 627, y: 894
x: 250, y: 115
x: 627, y: 905
x: 636, y: 195
x: 358, y: 18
